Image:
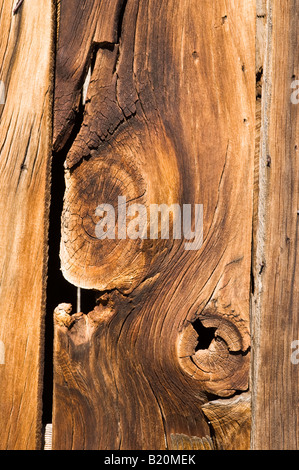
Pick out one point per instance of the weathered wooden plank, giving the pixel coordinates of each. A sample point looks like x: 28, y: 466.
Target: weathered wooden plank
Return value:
x: 260, y: 47
x: 25, y: 143
x: 161, y: 125
x: 275, y: 382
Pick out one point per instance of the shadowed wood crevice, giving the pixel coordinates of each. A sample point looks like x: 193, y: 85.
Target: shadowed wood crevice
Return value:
x: 155, y: 131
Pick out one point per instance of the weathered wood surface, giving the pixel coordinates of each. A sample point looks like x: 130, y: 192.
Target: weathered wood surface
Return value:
x: 25, y: 143
x: 275, y: 381
x: 169, y: 118
x: 260, y: 47
x: 230, y: 421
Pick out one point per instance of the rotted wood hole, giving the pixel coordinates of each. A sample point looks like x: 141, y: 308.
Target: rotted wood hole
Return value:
x: 152, y: 104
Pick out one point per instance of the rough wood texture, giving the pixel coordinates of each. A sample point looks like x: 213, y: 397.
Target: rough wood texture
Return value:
x: 260, y: 47
x: 25, y: 142
x: 169, y: 118
x: 275, y: 381
x: 183, y: 442
x: 231, y: 422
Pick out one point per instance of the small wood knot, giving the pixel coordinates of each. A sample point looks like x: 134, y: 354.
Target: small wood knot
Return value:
x: 214, y: 350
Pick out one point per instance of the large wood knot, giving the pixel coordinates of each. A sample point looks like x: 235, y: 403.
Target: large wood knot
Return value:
x: 95, y: 256
x: 215, y: 351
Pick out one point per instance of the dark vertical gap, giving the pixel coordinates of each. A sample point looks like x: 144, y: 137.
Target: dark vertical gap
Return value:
x: 58, y: 289
x: 121, y: 19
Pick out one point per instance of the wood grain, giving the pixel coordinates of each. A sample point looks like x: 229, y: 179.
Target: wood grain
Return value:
x: 25, y: 143
x: 231, y: 422
x: 275, y: 379
x: 94, y: 23
x: 169, y: 119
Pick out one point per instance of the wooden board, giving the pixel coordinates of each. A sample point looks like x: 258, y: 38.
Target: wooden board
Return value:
x: 275, y: 378
x: 169, y: 119
x: 25, y: 143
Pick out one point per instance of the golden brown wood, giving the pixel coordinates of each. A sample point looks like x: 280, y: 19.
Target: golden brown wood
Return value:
x: 230, y: 420
x: 25, y: 142
x: 275, y: 379
x: 169, y: 118
x: 183, y: 442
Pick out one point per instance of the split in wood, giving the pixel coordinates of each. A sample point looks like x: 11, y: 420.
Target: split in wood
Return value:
x: 17, y: 6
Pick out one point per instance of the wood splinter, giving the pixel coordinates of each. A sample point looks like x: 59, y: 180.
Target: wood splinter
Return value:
x: 18, y: 5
